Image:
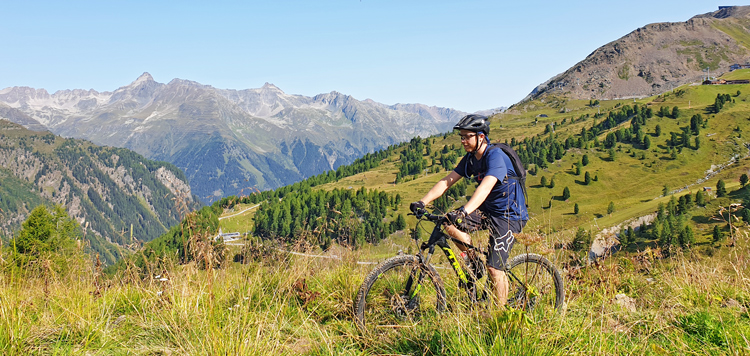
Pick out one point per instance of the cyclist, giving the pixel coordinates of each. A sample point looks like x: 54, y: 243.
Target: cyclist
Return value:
x: 498, y: 203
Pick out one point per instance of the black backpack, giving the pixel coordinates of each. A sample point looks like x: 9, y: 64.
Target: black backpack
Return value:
x: 517, y: 167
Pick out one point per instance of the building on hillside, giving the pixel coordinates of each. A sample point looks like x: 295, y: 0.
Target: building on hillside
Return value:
x: 739, y: 66
x: 723, y: 82
x: 227, y: 236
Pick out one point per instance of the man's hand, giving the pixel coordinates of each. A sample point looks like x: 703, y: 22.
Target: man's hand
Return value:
x: 417, y: 208
x: 458, y: 218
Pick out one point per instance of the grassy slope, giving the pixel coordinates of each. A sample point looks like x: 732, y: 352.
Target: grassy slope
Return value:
x: 634, y: 185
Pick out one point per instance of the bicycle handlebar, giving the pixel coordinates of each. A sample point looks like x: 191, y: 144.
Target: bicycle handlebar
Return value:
x: 423, y: 214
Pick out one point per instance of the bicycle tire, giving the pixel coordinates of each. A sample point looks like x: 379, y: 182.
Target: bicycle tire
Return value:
x: 385, y: 302
x: 540, y: 291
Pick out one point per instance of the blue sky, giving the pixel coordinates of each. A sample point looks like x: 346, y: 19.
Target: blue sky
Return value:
x: 468, y: 55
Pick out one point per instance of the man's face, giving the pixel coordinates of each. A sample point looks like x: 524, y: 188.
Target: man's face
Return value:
x: 470, y: 140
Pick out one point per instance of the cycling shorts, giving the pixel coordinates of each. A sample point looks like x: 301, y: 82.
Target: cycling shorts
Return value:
x: 501, y: 235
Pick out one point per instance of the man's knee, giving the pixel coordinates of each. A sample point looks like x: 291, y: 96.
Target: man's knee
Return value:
x: 496, y: 273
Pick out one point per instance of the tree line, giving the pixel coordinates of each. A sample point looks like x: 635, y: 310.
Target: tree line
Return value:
x: 344, y: 216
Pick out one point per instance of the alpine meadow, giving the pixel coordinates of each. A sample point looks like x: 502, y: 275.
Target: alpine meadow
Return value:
x: 638, y: 193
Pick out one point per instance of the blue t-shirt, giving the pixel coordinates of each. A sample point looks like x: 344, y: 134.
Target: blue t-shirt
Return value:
x: 506, y: 198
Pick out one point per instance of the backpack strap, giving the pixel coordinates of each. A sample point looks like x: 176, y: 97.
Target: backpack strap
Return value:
x: 518, y: 167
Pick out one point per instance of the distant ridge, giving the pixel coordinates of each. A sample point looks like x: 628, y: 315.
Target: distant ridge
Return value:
x: 228, y: 142
x: 658, y: 57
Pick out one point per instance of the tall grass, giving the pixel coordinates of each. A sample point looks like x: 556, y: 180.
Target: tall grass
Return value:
x: 279, y: 304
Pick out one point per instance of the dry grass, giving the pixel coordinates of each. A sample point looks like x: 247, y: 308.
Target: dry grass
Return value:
x: 689, y: 303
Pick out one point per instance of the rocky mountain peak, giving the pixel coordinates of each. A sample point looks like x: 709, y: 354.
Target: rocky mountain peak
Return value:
x: 729, y: 11
x: 271, y: 87
x: 145, y: 77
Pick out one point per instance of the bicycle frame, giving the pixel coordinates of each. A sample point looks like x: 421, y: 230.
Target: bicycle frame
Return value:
x: 439, y: 238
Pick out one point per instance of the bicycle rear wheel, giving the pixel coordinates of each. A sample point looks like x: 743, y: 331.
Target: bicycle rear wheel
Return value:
x: 535, y: 286
x: 398, y: 293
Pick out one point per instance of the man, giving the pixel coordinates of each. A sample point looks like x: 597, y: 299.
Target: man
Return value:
x: 498, y: 204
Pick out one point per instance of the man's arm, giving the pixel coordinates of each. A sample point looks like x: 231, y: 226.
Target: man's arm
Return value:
x: 483, y: 190
x: 440, y: 187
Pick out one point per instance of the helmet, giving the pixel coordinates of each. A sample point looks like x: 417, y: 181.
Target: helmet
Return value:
x: 474, y: 123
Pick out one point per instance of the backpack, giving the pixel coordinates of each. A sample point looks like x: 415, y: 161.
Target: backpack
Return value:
x: 517, y: 167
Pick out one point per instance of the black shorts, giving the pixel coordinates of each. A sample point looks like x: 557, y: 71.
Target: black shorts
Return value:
x: 501, y: 235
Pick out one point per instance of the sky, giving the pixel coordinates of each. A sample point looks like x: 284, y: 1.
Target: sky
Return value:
x: 468, y: 55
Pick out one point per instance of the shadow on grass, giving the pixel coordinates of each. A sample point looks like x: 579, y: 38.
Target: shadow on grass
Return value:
x: 701, y: 219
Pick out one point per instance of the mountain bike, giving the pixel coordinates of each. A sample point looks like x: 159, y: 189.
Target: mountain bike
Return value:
x: 405, y: 289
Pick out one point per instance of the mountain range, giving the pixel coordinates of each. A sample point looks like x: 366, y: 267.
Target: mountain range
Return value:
x: 228, y: 142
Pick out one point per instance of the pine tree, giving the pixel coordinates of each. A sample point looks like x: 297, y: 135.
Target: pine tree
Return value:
x: 566, y: 193
x: 585, y: 160
x: 687, y: 237
x: 611, y: 208
x: 700, y: 200
x: 587, y: 178
x: 743, y: 179
x: 543, y: 183
x: 46, y: 232
x: 666, y: 235
x: 575, y: 209
x: 721, y: 190
x: 717, y: 235
x: 581, y: 240
x: 656, y: 230
x: 400, y: 222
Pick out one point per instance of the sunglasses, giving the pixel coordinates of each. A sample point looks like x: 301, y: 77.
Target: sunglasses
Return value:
x: 467, y: 137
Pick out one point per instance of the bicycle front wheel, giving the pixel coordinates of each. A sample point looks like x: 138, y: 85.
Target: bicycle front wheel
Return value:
x: 398, y: 293
x: 535, y: 286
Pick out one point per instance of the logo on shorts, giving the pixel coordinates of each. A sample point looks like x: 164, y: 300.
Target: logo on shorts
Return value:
x: 504, y: 242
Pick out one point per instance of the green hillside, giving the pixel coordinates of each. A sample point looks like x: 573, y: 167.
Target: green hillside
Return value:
x: 120, y: 198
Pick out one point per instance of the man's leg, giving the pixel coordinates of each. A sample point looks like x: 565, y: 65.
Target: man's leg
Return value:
x: 500, y: 281
x: 500, y: 244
